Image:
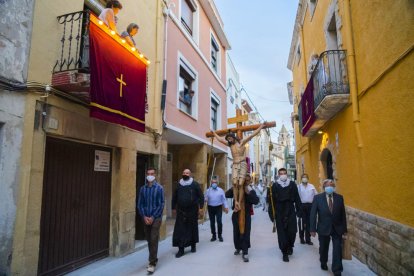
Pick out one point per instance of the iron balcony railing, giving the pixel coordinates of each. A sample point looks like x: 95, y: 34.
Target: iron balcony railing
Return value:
x: 74, y: 54
x: 330, y: 75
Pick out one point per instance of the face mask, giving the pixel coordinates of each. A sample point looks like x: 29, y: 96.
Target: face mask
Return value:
x: 329, y: 190
x: 283, y: 177
x: 186, y: 177
x: 150, y: 178
x: 304, y: 180
x: 214, y: 185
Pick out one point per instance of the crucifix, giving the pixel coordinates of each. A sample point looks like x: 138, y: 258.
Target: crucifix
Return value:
x: 121, y: 82
x: 237, y: 147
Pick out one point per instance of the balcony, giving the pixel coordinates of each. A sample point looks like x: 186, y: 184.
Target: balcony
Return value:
x: 71, y: 73
x: 326, y: 93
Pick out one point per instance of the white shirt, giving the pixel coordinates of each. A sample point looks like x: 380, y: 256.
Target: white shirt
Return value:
x: 107, y: 16
x: 306, y: 192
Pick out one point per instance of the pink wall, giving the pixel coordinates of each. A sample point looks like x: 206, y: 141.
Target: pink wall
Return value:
x: 177, y: 42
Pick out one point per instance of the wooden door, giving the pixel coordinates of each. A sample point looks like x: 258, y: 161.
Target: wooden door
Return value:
x: 75, y: 216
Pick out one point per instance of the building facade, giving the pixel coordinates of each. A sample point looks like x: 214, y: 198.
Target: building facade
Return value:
x: 352, y: 67
x: 195, y: 92
x: 71, y: 181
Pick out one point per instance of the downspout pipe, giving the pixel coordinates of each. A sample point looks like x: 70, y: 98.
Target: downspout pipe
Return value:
x: 352, y: 72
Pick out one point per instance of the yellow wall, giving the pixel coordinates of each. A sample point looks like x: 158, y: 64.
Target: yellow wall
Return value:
x: 377, y: 177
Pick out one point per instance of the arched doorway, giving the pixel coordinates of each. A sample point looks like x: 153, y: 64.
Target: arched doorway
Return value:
x: 327, y: 164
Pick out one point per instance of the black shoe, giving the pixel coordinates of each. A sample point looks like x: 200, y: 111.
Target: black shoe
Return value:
x: 324, y: 267
x: 193, y: 248
x: 302, y: 241
x: 245, y: 258
x: 213, y: 238
x: 337, y: 274
x: 309, y: 242
x: 237, y: 252
x: 290, y: 251
x: 221, y: 238
x: 180, y: 253
x: 285, y: 258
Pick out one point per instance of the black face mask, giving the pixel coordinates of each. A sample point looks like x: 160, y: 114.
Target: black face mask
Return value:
x: 186, y: 177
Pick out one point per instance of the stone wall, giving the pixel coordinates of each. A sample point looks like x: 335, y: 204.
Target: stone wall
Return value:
x: 15, y: 33
x: 386, y: 246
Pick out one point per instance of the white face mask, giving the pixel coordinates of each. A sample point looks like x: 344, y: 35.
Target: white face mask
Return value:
x: 283, y: 177
x: 150, y: 178
x: 304, y: 180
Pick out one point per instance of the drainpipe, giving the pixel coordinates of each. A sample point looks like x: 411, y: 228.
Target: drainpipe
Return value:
x: 95, y: 6
x: 166, y: 12
x: 352, y: 71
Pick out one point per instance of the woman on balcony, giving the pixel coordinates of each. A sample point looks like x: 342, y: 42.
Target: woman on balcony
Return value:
x: 132, y: 30
x: 108, y: 14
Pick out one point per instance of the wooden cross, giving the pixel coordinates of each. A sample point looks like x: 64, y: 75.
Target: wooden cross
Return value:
x: 239, y: 129
x: 121, y: 82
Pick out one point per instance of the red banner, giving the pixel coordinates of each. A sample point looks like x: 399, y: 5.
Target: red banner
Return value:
x: 308, y: 113
x: 118, y: 82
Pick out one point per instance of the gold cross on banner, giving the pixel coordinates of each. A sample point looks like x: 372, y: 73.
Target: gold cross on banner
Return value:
x: 121, y: 82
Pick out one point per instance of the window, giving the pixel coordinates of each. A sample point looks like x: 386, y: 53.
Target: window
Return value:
x: 214, y: 54
x: 187, y: 15
x: 214, y: 113
x: 186, y: 90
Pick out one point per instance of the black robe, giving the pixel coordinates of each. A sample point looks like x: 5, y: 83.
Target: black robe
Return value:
x: 286, y: 200
x: 186, y: 201
x: 242, y: 241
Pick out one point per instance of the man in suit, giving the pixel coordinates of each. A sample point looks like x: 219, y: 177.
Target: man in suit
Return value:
x: 328, y: 209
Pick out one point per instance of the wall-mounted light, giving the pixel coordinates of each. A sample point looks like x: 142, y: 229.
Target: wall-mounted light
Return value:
x: 100, y: 22
x: 320, y: 132
x: 112, y: 32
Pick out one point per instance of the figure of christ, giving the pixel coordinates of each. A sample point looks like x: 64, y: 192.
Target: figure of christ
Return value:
x: 239, y: 167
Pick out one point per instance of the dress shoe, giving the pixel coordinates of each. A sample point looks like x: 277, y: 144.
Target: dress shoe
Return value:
x: 193, y: 248
x: 285, y: 258
x: 290, y: 251
x: 309, y: 242
x: 213, y: 238
x: 180, y: 253
x: 237, y: 252
x: 302, y: 241
x: 221, y: 238
x: 324, y: 267
x: 245, y: 258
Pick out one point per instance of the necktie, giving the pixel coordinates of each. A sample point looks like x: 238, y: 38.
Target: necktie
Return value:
x: 330, y: 203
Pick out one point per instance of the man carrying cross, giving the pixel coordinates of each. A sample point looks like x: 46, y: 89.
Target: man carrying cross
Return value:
x: 239, y: 167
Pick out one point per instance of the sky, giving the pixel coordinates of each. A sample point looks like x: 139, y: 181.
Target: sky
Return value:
x: 260, y: 33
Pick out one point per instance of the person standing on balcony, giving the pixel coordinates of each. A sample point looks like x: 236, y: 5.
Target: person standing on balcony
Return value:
x: 108, y: 14
x: 150, y: 206
x: 306, y: 192
x: 131, y: 30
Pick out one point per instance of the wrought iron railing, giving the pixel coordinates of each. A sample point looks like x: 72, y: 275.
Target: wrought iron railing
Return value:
x: 330, y: 75
x: 74, y: 54
x: 300, y: 116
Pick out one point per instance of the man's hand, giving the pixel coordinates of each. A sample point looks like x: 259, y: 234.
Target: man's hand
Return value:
x: 200, y: 212
x: 226, y: 210
x: 150, y: 220
x: 146, y: 220
x: 313, y: 234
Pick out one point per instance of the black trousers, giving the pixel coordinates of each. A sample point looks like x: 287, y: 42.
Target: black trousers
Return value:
x: 336, y: 250
x: 304, y: 223
x: 215, y: 213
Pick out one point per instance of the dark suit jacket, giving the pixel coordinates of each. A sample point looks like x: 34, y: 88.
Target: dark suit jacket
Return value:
x: 325, y: 219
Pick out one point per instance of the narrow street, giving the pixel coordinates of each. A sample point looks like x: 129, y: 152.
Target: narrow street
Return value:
x: 216, y: 258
